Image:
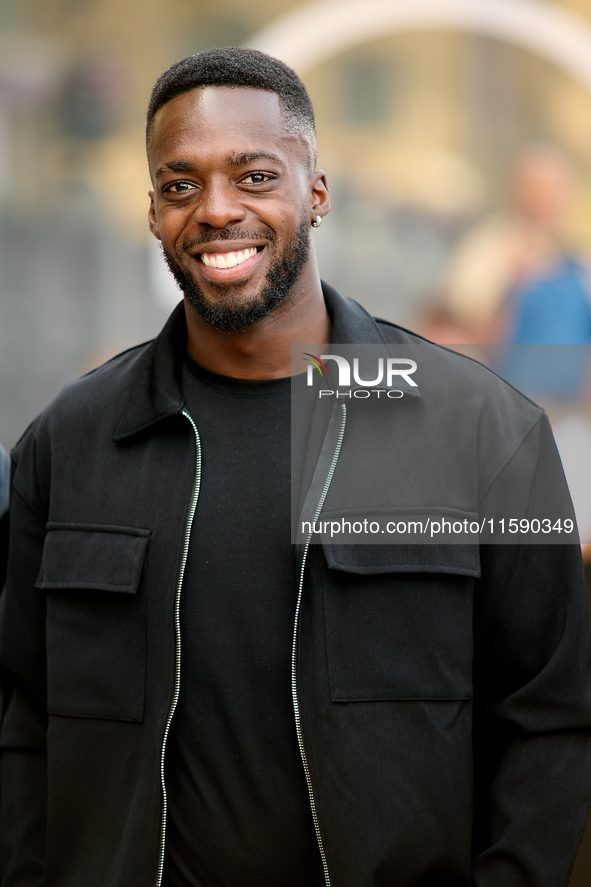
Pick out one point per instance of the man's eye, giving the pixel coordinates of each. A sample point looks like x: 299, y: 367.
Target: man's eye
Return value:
x: 256, y: 178
x: 178, y: 188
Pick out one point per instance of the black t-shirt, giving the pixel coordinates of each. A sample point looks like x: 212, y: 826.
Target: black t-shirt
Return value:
x: 238, y: 813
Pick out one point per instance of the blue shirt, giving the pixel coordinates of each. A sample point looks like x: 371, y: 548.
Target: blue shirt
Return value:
x: 551, y: 310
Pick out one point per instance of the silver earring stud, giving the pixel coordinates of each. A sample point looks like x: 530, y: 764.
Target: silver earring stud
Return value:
x: 317, y: 222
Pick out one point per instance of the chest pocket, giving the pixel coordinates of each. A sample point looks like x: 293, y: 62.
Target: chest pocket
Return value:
x: 398, y: 621
x: 96, y: 645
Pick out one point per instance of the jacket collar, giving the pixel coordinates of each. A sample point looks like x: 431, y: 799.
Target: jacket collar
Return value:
x: 154, y: 376
x: 351, y: 324
x: 155, y: 371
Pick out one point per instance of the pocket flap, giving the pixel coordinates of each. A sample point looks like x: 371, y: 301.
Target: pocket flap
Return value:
x: 461, y: 560
x: 100, y: 558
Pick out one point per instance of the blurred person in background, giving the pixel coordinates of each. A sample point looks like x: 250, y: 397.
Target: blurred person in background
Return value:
x: 4, y: 491
x: 516, y: 277
x: 4, y: 487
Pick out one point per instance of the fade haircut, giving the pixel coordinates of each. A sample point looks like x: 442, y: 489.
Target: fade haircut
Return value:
x: 237, y: 66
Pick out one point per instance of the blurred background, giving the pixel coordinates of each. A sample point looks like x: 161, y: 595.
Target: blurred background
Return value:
x: 456, y: 135
x: 421, y: 121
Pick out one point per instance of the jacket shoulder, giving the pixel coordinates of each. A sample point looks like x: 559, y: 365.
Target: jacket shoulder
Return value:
x: 84, y: 413
x: 464, y: 370
x: 95, y: 395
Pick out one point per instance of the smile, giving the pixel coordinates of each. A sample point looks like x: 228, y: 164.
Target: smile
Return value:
x: 227, y: 260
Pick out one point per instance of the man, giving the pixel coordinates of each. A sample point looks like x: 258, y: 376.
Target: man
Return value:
x: 319, y: 727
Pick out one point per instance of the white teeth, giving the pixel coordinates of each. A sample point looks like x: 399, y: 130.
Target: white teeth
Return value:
x: 227, y: 260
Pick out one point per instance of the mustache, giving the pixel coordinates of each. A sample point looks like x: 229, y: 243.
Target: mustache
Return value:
x: 226, y: 234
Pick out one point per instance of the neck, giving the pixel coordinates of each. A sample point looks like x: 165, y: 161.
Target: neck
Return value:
x: 262, y: 351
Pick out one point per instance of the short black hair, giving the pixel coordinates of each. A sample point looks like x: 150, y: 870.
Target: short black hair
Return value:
x: 238, y: 66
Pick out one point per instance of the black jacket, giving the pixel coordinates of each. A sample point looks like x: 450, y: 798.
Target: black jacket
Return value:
x: 442, y: 692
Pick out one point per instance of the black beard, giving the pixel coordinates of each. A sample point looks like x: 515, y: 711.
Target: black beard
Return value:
x: 225, y: 314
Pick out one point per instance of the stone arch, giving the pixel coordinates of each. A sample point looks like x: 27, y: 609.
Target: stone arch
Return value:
x: 314, y: 33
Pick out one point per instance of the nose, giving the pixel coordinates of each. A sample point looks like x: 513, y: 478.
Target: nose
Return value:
x: 219, y: 205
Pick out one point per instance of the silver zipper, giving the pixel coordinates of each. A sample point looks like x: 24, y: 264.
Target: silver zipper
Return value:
x: 294, y: 689
x: 177, y: 627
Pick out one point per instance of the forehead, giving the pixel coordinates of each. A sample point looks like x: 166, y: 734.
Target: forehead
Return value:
x: 222, y: 119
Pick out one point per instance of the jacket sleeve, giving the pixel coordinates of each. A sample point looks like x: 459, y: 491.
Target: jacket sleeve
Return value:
x: 532, y: 696
x: 23, y: 734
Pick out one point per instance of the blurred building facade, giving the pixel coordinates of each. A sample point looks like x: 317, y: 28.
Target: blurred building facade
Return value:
x: 417, y: 130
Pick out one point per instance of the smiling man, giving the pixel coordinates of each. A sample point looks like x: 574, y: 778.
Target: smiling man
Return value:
x: 236, y: 192
x: 192, y: 700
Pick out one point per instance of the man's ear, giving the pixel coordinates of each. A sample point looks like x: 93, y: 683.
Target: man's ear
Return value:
x: 319, y: 195
x: 153, y: 223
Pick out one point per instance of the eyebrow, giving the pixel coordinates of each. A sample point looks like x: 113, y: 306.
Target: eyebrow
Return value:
x: 176, y: 166
x: 234, y: 161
